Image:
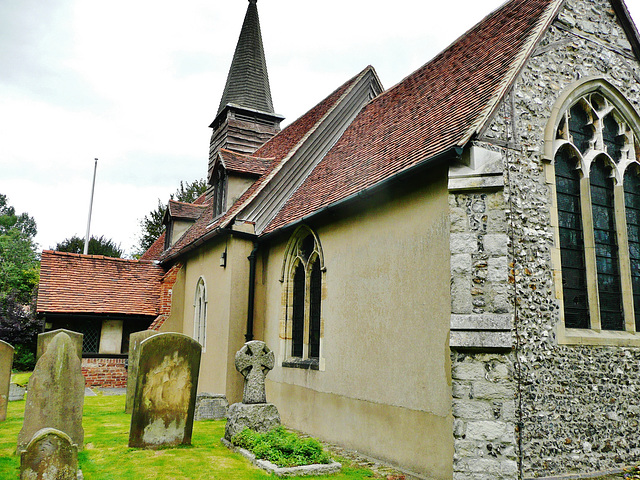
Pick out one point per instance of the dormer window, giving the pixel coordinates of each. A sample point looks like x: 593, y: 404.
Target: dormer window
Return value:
x: 219, y: 182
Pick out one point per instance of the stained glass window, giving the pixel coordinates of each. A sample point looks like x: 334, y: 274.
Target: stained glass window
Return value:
x: 579, y: 127
x: 574, y: 277
x: 297, y: 334
x: 632, y: 208
x: 611, y: 137
x: 315, y: 292
x: 607, y: 263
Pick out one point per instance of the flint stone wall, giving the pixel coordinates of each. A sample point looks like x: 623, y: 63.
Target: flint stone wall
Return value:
x: 580, y: 404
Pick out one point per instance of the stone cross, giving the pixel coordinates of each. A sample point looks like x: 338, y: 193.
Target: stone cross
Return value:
x: 253, y: 361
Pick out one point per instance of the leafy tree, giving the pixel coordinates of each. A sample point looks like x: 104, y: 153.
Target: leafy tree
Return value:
x: 18, y: 256
x: 97, y: 246
x: 18, y: 281
x: 151, y: 225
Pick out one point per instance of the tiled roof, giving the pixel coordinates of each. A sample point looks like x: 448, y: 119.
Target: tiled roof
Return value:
x: 74, y: 283
x: 277, y: 149
x: 247, y: 164
x: 154, y: 252
x: 441, y: 105
x: 185, y: 210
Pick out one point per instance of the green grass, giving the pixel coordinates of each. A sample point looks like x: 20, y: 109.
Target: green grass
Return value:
x: 106, y: 455
x: 21, y: 378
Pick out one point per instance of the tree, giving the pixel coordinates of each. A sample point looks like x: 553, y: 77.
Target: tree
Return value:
x: 18, y: 256
x: 18, y: 281
x: 151, y: 225
x: 97, y: 246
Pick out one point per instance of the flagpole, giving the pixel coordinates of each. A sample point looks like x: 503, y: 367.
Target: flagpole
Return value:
x: 93, y: 185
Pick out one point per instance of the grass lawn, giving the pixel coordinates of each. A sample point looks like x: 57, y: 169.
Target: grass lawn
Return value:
x: 107, y: 457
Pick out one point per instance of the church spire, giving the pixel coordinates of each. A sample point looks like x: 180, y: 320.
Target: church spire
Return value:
x: 248, y: 82
x: 245, y: 118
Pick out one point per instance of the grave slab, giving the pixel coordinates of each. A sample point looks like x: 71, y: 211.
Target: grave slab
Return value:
x: 165, y: 394
x: 135, y: 339
x: 55, y: 395
x: 6, y: 362
x: 211, y: 406
x: 45, y: 338
x: 50, y: 455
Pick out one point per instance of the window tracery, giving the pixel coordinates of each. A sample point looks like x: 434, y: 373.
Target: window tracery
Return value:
x: 597, y: 198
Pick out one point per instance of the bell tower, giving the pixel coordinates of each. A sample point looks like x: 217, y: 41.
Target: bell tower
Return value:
x: 245, y: 118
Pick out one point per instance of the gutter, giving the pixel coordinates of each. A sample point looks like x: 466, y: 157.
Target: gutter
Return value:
x: 205, y: 238
x: 449, y: 154
x: 252, y: 291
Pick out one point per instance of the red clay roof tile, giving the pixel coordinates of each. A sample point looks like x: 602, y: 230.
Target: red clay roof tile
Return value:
x: 74, y: 283
x: 435, y: 108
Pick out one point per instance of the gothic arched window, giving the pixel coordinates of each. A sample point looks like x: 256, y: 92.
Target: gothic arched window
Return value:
x: 200, y: 314
x: 302, y: 277
x: 598, y: 214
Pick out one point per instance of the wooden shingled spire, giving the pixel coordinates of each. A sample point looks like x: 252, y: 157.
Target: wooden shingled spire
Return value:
x: 245, y: 119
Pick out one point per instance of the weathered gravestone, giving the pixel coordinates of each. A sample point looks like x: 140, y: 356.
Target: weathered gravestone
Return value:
x: 55, y: 395
x: 16, y: 392
x: 135, y: 339
x: 211, y: 406
x: 45, y: 338
x: 165, y: 395
x: 254, y: 361
x: 6, y: 361
x: 50, y: 455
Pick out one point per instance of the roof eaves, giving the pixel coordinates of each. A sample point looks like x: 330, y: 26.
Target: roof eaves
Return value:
x: 449, y: 153
x: 513, y: 72
x: 293, y: 151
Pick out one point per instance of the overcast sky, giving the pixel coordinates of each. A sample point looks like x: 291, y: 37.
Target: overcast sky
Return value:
x: 136, y: 83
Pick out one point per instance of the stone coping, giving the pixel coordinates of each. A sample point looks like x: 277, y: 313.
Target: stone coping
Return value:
x: 315, y: 469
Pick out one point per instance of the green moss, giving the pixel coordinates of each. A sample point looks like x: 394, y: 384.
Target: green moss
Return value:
x: 283, y: 448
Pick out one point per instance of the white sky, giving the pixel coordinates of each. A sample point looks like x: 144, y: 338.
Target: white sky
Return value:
x: 136, y: 83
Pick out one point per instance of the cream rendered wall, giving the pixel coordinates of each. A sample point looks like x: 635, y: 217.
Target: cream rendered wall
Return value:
x: 226, y: 311
x: 386, y: 385
x: 236, y: 186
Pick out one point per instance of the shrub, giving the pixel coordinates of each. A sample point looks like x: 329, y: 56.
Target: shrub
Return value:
x: 285, y: 449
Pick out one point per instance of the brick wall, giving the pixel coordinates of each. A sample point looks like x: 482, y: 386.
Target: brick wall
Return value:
x: 104, y: 372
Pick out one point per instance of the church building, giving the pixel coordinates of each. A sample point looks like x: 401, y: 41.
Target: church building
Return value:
x: 447, y: 270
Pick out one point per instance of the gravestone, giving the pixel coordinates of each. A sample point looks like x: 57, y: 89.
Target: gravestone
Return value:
x: 16, y: 392
x: 254, y: 361
x: 50, y: 455
x: 135, y: 339
x: 165, y: 394
x: 45, y: 338
x: 6, y: 361
x: 55, y: 395
x: 211, y: 407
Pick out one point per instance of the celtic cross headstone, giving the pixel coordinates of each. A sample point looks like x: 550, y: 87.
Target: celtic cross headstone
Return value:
x: 254, y: 361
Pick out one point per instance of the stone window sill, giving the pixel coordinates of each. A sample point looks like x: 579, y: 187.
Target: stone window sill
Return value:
x: 306, y: 364
x: 579, y: 336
